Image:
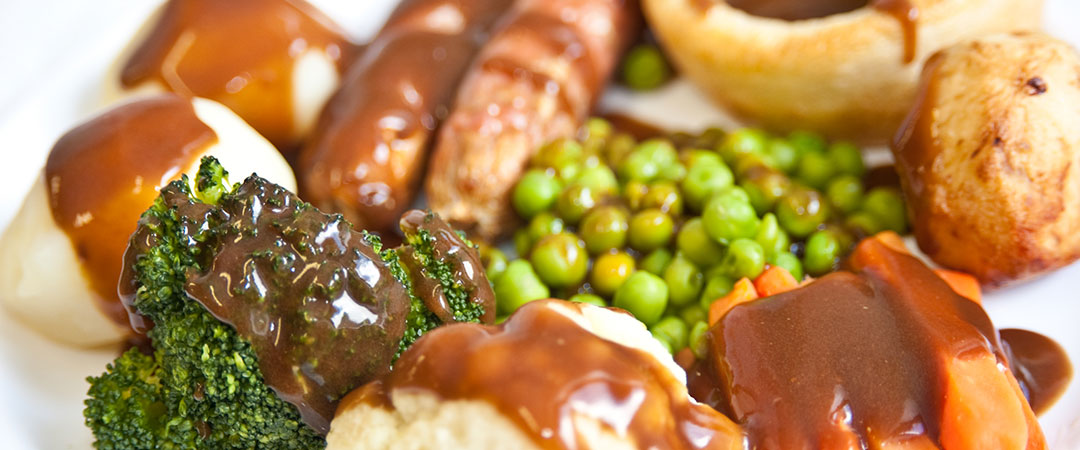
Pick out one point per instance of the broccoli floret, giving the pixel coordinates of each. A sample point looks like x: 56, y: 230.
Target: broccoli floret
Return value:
x: 202, y: 388
x: 419, y: 319
x: 456, y: 292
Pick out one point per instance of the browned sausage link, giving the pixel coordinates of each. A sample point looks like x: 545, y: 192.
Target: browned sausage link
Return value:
x: 367, y: 153
x: 535, y: 80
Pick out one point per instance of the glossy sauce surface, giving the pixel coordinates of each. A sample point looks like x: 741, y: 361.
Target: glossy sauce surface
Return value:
x: 904, y: 11
x: 320, y: 307
x: 540, y: 369
x: 366, y: 157
x: 104, y: 173
x: 859, y: 359
x: 1040, y: 365
x: 238, y: 52
x: 453, y: 256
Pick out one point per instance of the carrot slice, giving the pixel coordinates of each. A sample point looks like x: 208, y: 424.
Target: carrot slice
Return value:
x: 964, y: 284
x: 893, y: 241
x: 742, y: 292
x: 983, y: 409
x: 774, y: 280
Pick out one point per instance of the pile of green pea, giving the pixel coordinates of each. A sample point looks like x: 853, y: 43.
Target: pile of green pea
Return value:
x: 665, y: 226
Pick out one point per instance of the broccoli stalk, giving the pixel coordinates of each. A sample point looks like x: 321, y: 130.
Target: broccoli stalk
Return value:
x: 202, y: 387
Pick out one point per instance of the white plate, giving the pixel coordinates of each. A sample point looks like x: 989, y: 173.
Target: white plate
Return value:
x: 55, y: 53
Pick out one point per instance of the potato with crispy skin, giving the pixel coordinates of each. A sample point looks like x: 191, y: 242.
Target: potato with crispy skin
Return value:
x: 989, y: 157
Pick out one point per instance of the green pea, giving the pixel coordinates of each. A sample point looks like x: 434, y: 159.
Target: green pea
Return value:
x: 694, y: 242
x: 647, y: 160
x: 717, y: 286
x: 695, y: 157
x: 604, y: 228
x: 764, y: 186
x: 517, y: 286
x: 771, y: 236
x: 744, y: 164
x: 600, y: 179
x: 675, y: 172
x: 574, y: 202
x: 619, y: 148
x: 822, y: 252
x: 644, y: 68
x: 886, y: 206
x: 790, y: 262
x: 656, y: 262
x: 557, y: 153
x: 784, y: 154
x: 815, y: 169
x: 522, y: 242
x: 650, y: 229
x: 743, y: 141
x: 597, y: 128
x: 693, y: 313
x: 862, y: 223
x: 591, y: 299
x: 535, y: 192
x: 728, y: 216
x: 663, y: 195
x: 634, y: 193
x: 807, y: 141
x: 843, y: 235
x: 845, y: 193
x: 610, y: 271
x: 494, y: 262
x: 744, y: 259
x: 698, y: 339
x: 846, y: 158
x: 560, y: 260
x: 644, y: 295
x: 684, y: 280
x: 703, y: 180
x: 673, y: 330
x: 544, y: 224
x: 801, y: 212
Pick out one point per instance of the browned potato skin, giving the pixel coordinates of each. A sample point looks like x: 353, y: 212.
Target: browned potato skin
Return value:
x: 989, y: 157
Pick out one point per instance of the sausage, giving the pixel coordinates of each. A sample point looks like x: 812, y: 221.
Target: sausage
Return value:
x: 534, y: 81
x: 366, y: 156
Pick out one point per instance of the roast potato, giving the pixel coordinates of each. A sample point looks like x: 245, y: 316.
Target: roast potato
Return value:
x: 989, y: 157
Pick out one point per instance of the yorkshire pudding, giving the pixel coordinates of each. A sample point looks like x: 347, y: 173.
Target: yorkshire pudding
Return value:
x: 847, y: 68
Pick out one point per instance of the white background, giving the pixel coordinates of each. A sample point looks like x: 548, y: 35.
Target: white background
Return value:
x: 53, y: 55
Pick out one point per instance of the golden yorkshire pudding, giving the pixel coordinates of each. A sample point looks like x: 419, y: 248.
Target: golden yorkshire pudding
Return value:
x: 847, y: 68
x: 989, y: 157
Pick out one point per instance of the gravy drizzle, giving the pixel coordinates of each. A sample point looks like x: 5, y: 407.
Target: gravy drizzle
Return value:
x: 238, y: 52
x: 904, y: 11
x: 542, y: 370
x: 104, y: 173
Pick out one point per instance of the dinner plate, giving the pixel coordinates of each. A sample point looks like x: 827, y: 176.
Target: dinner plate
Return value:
x: 55, y: 54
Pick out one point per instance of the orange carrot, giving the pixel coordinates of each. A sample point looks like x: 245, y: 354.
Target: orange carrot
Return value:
x: 742, y: 292
x: 964, y: 284
x: 893, y: 240
x: 774, y: 280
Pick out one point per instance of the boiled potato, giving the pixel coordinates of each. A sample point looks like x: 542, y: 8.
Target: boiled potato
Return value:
x: 989, y: 157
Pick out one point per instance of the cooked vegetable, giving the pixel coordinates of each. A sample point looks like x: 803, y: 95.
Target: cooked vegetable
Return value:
x: 696, y: 211
x: 213, y: 381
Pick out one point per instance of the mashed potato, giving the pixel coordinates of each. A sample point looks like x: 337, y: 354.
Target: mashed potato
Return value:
x: 394, y: 413
x: 45, y: 283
